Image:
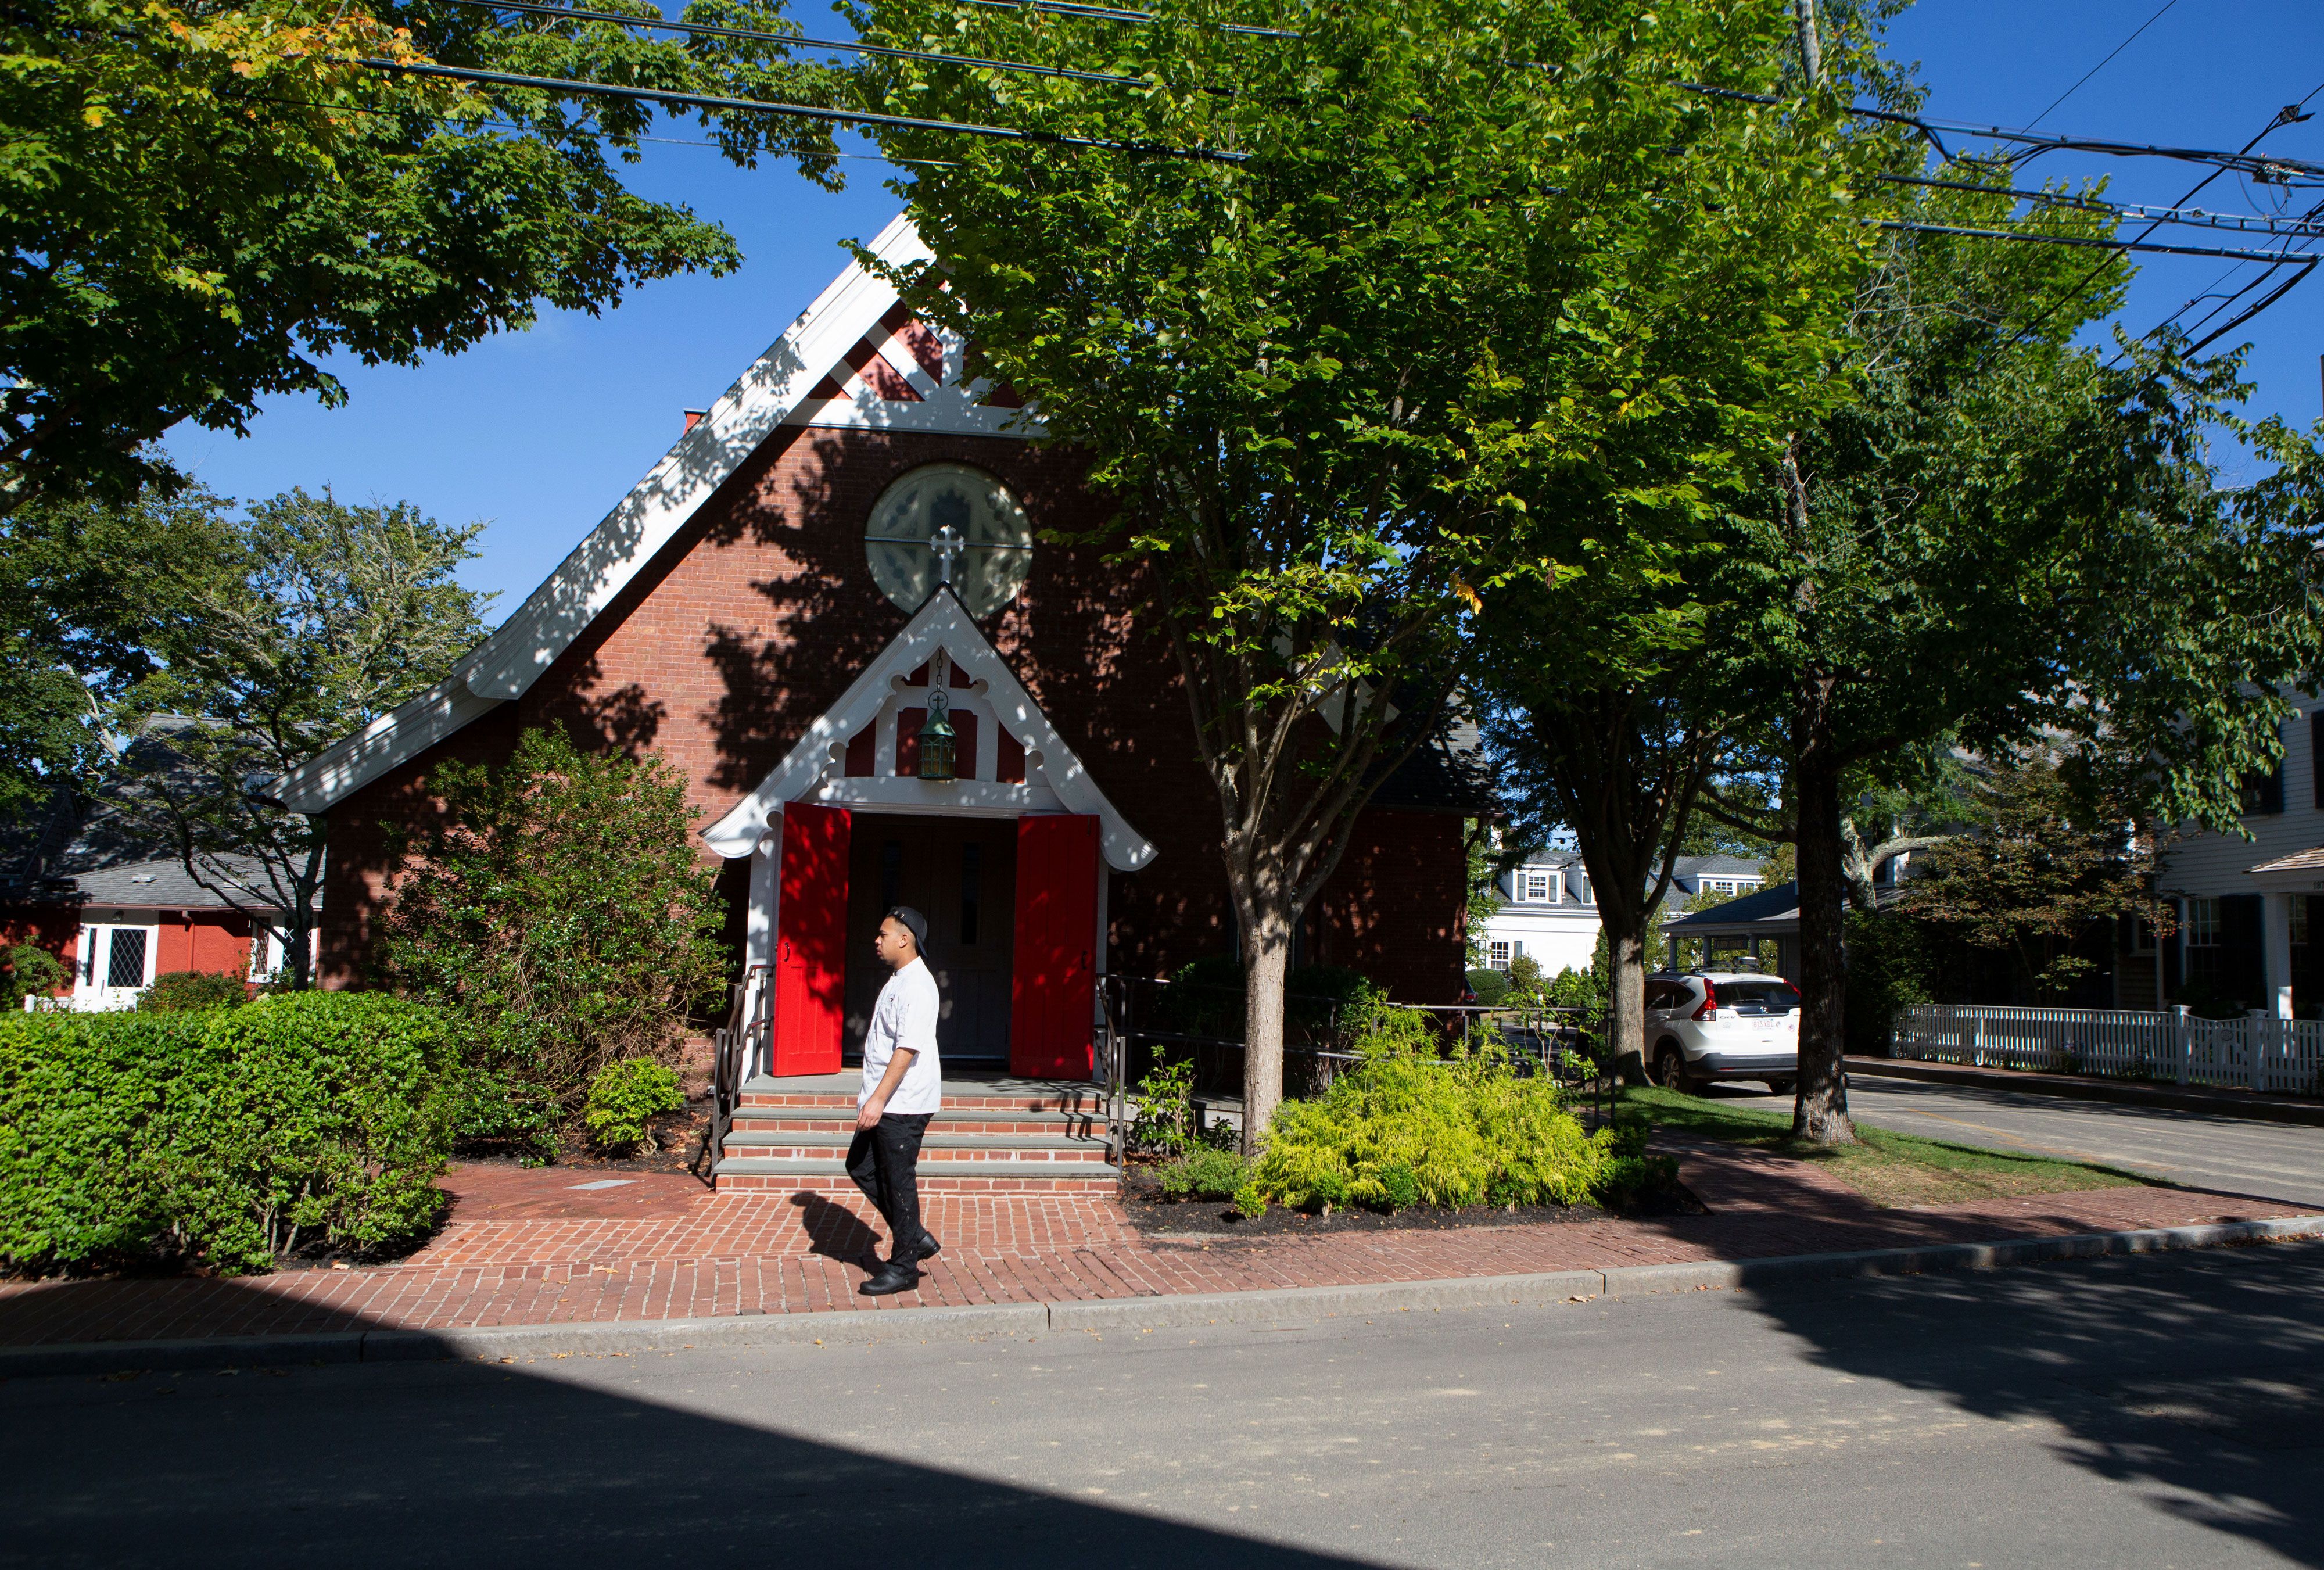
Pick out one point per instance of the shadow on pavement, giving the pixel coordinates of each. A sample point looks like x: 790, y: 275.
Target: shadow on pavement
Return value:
x: 2196, y: 1379
x: 478, y: 1463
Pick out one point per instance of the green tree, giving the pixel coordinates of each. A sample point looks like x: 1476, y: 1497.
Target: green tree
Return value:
x: 2057, y: 854
x: 322, y: 618
x: 1390, y: 345
x: 561, y: 904
x: 2001, y: 536
x: 201, y: 203
x: 84, y: 591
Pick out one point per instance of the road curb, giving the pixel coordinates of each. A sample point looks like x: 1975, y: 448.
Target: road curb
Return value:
x: 858, y: 1327
x: 2254, y: 1107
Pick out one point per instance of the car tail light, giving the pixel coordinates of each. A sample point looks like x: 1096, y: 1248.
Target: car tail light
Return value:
x: 1709, y: 1007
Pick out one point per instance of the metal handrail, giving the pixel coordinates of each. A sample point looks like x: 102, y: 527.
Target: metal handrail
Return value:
x: 746, y: 1018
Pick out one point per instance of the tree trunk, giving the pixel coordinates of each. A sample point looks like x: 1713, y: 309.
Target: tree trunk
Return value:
x: 1821, y: 1112
x: 1267, y: 963
x: 1625, y: 921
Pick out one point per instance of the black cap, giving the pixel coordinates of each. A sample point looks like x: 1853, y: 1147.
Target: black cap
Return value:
x: 914, y: 923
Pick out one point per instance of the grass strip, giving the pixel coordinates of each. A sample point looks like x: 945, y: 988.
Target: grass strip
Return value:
x: 1891, y: 1169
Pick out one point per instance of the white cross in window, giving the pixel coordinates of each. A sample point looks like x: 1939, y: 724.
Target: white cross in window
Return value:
x: 947, y: 544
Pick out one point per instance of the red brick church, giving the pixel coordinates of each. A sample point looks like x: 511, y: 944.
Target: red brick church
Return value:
x: 767, y: 608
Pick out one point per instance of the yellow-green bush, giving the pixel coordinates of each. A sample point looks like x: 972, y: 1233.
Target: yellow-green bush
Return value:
x: 1408, y: 1127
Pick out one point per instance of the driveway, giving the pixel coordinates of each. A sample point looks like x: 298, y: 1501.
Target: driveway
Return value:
x: 2198, y: 1149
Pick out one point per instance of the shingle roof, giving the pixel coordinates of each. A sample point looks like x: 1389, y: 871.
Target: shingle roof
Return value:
x: 91, y: 852
x: 1447, y: 775
x: 2297, y: 862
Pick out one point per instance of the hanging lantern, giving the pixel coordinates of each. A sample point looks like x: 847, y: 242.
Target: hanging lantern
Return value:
x: 936, y: 740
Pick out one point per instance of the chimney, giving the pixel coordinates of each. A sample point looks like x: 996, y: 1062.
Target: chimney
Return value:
x: 694, y: 417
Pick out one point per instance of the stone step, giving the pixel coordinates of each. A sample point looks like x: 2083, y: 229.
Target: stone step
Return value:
x: 982, y: 1092
x: 971, y: 1119
x: 937, y: 1147
x: 761, y: 1174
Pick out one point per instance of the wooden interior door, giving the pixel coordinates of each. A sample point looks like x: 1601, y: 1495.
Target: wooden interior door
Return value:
x: 810, y: 941
x: 961, y: 874
x: 1053, y: 990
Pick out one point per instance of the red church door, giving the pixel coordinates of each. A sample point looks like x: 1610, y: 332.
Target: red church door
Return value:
x: 1052, y: 990
x: 811, y: 941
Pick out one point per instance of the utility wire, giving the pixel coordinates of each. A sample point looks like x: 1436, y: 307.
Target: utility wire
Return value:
x: 2133, y: 211
x: 2082, y: 241
x: 793, y: 111
x: 2289, y: 115
x: 1115, y: 13
x: 2102, y: 65
x: 716, y: 29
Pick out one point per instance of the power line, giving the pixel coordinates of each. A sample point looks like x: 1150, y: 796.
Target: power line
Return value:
x: 2133, y: 211
x: 716, y: 29
x: 793, y: 111
x: 2289, y: 114
x: 1116, y: 13
x: 2080, y: 241
x: 2102, y: 65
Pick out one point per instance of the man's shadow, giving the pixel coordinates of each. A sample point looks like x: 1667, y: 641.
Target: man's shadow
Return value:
x: 838, y: 1233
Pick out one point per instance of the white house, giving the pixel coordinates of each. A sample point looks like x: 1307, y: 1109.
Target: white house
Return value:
x: 2244, y: 906
x: 1546, y: 909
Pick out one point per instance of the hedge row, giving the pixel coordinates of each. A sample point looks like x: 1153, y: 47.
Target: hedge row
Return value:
x: 229, y: 1137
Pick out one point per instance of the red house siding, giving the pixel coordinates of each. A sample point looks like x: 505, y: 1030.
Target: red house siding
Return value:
x: 207, y: 940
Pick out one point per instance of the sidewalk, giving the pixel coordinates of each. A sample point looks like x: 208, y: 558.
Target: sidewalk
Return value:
x: 2234, y: 1103
x: 533, y: 1248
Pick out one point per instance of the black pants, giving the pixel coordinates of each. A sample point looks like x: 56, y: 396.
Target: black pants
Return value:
x: 885, y: 1162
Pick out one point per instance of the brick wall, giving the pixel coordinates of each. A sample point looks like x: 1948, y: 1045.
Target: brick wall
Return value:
x: 754, y: 620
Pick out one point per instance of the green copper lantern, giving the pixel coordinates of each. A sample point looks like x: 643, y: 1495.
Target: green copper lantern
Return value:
x: 936, y: 740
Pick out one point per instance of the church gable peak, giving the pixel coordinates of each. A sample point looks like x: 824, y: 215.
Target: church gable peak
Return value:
x: 858, y: 754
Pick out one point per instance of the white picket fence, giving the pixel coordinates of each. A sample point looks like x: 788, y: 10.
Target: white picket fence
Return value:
x: 2255, y: 1051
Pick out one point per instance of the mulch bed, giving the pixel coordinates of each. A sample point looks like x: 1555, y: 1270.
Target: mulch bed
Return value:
x: 677, y: 1134
x: 1150, y: 1213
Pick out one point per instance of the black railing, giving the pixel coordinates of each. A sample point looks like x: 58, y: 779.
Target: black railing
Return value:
x: 734, y: 1050
x: 1150, y: 1023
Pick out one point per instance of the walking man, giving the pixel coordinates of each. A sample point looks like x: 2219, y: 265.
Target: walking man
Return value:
x: 903, y: 1084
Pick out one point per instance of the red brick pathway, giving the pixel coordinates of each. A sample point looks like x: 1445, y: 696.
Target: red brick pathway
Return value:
x: 527, y: 1248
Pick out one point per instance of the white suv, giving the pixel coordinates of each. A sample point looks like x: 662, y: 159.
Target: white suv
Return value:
x: 1723, y: 1025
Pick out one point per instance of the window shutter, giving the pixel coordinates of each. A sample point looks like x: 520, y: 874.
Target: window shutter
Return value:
x: 2316, y: 754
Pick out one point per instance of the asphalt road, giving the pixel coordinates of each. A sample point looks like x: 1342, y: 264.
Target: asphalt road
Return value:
x: 2151, y: 1412
x: 2199, y: 1149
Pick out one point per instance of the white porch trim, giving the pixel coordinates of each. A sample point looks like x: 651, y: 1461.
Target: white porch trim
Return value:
x: 815, y: 769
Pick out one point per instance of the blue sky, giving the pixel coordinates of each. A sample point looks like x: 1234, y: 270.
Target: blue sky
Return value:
x: 540, y: 433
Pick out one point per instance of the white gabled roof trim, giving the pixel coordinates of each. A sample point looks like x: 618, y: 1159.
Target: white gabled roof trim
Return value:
x: 773, y: 393
x: 813, y: 769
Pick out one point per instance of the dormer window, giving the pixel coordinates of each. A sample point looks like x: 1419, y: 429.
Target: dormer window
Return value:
x: 1537, y: 887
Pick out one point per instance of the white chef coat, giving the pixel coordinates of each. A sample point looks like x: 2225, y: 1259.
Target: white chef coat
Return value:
x: 906, y: 1016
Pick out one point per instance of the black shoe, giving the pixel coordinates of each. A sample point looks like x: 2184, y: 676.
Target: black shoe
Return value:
x: 891, y: 1278
x: 928, y: 1248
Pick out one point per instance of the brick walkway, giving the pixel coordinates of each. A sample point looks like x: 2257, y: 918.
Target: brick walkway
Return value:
x: 529, y: 1248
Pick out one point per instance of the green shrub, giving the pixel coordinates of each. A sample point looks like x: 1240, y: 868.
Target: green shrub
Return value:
x: 225, y: 1137
x: 182, y: 992
x: 1406, y: 1127
x: 1527, y: 983
x: 1165, y: 1109
x: 561, y: 904
x: 1489, y: 985
x: 624, y: 1098
x: 1250, y: 1199
x: 1204, y: 1173
x: 496, y: 1113
x: 28, y: 969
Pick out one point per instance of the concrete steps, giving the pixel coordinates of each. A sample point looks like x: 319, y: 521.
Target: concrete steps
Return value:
x: 994, y: 1134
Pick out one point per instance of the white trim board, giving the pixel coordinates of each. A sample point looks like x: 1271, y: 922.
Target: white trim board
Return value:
x: 815, y: 769
x: 773, y: 393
